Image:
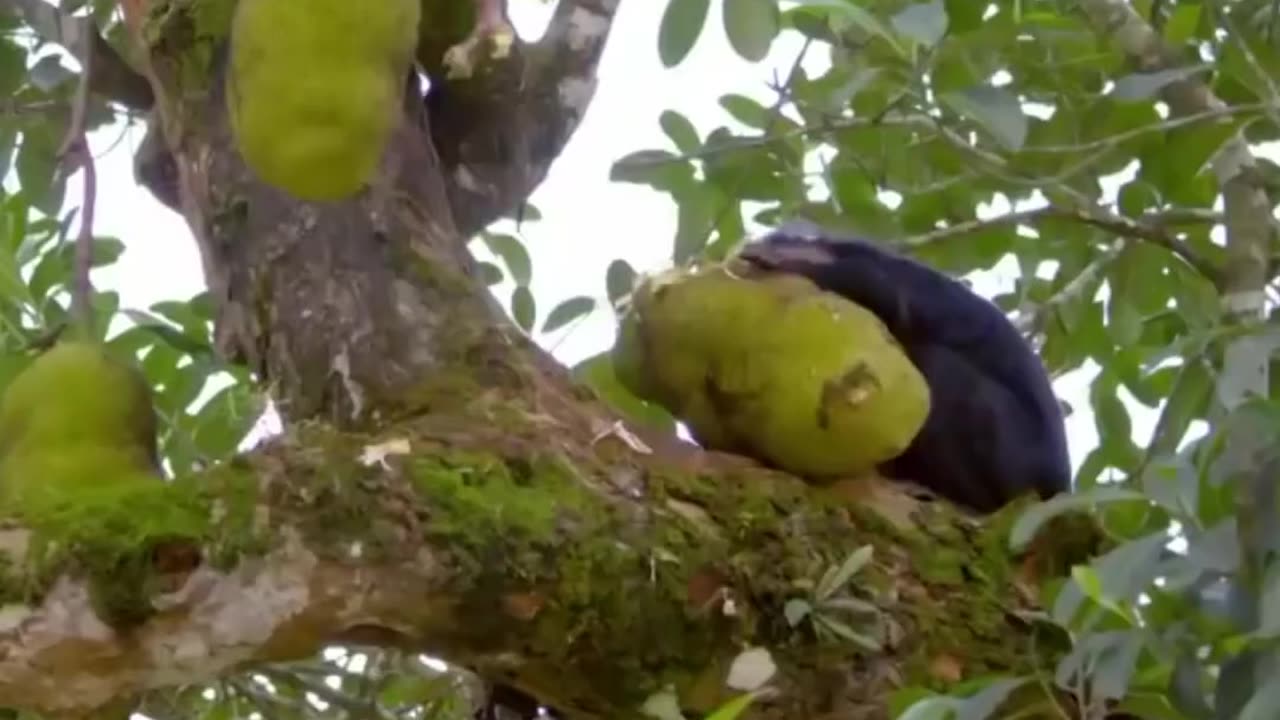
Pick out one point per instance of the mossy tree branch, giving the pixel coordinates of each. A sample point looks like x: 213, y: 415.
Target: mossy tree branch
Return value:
x: 580, y: 571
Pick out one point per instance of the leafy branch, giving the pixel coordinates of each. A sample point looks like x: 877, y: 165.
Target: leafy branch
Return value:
x: 1151, y: 228
x: 924, y: 123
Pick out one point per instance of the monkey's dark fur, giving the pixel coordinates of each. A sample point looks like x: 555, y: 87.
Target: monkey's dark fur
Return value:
x: 994, y: 431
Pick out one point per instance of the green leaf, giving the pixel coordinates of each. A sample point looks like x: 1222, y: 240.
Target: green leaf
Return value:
x: 836, y: 578
x: 926, y: 23
x: 796, y: 610
x: 1173, y: 483
x: 1037, y: 515
x: 681, y: 131
x: 751, y: 26
x: 163, y: 330
x: 225, y: 420
x: 1186, y: 688
x: 597, y: 373
x: 733, y: 708
x: 1089, y: 582
x: 659, y: 169
x: 619, y: 279
x: 1136, y: 197
x: 995, y: 110
x: 695, y: 216
x: 849, y: 12
x: 851, y: 605
x: 934, y: 708
x: 842, y: 630
x: 523, y: 308
x: 1129, y: 568
x: 1237, y: 687
x: 682, y: 23
x: 1110, y: 415
x: 1145, y: 86
x: 1188, y: 402
x: 38, y: 168
x: 490, y: 274
x: 568, y: 311
x: 1182, y: 24
x: 984, y: 703
x: 13, y: 67
x: 513, y: 254
x: 746, y: 110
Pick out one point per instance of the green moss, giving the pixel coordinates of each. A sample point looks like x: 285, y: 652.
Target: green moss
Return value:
x: 485, y: 496
x: 517, y: 526
x: 232, y: 494
x: 109, y: 534
x: 968, y: 573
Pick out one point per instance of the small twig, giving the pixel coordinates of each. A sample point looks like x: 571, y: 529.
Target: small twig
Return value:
x: 1150, y: 229
x: 1073, y: 289
x: 783, y: 89
x: 74, y: 154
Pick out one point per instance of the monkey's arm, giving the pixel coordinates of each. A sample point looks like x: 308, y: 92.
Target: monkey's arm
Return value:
x: 983, y: 445
x: 916, y: 302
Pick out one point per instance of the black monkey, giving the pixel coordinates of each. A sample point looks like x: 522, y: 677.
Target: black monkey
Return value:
x: 994, y: 430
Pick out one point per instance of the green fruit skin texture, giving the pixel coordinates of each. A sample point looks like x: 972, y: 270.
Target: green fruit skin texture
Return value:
x: 77, y: 418
x: 314, y: 89
x: 773, y: 368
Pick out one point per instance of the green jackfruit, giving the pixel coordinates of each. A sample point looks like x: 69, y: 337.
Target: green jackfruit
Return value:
x: 773, y: 368
x: 76, y: 418
x: 315, y: 88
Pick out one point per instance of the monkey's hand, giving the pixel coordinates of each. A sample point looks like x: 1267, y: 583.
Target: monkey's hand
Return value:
x: 492, y: 29
x: 787, y: 254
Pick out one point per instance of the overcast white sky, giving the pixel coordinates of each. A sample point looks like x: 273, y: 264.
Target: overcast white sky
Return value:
x: 587, y: 222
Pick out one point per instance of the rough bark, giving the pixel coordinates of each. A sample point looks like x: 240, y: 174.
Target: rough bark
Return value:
x: 442, y: 486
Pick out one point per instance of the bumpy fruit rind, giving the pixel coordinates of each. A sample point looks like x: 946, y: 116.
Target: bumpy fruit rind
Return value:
x: 771, y: 367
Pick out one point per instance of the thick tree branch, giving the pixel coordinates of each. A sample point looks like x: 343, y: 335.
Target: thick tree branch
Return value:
x: 601, y: 575
x: 498, y: 131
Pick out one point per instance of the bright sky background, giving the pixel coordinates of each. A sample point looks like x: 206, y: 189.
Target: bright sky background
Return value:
x: 587, y: 222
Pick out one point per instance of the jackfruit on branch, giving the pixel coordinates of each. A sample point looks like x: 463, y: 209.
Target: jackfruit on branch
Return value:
x: 314, y: 90
x: 76, y: 423
x: 773, y: 368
